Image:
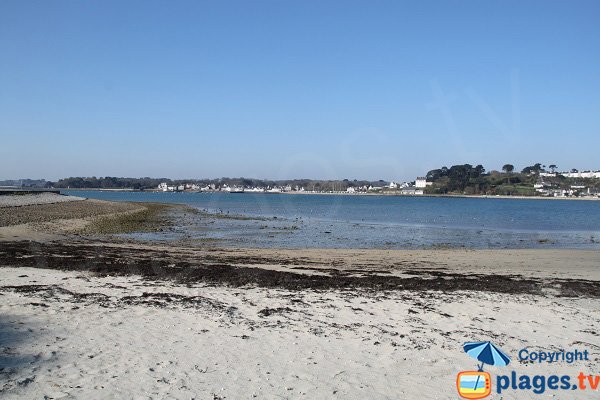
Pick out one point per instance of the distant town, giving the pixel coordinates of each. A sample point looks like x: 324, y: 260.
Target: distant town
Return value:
x: 536, y: 180
x: 549, y: 184
x: 402, y: 188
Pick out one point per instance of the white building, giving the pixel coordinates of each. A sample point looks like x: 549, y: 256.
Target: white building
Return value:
x: 165, y: 187
x: 411, y: 191
x: 422, y: 183
x: 582, y: 174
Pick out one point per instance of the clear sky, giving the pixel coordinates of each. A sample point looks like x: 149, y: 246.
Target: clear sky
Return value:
x: 292, y: 89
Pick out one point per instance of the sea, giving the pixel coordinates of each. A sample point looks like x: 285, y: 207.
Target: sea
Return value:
x: 371, y: 221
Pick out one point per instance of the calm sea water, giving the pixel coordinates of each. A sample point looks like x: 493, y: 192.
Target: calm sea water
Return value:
x: 342, y: 221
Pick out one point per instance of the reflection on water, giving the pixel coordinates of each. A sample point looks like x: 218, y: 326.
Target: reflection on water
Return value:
x: 297, y: 221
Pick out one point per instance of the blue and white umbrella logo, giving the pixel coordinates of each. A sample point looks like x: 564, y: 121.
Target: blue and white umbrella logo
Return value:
x: 486, y: 353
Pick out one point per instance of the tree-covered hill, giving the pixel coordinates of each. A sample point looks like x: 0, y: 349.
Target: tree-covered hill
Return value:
x: 473, y: 180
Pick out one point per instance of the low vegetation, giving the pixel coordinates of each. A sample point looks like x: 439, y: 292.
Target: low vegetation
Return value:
x: 150, y: 218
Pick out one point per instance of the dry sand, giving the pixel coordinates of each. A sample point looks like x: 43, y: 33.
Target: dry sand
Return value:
x: 76, y: 335
x: 83, y: 318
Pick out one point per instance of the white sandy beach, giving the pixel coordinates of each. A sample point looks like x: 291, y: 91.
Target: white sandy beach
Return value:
x: 121, y: 342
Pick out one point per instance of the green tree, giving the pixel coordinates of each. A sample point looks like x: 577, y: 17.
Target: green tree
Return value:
x: 535, y: 169
x: 508, y: 169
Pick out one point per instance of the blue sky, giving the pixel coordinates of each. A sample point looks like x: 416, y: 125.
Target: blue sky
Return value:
x: 282, y: 89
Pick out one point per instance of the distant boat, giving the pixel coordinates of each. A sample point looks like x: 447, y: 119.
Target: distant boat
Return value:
x: 236, y: 190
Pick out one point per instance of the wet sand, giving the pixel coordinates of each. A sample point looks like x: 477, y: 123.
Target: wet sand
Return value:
x: 32, y: 198
x: 445, y: 271
x: 64, y: 210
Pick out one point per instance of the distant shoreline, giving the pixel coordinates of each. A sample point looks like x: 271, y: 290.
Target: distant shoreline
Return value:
x: 109, y: 189
x: 353, y: 194
x: 453, y: 196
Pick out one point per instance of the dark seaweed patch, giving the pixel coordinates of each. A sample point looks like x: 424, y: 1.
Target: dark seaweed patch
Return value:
x: 175, y: 264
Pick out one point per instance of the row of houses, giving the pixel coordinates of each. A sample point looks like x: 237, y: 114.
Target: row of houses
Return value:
x: 551, y: 190
x: 405, y: 188
x: 192, y: 187
x: 579, y: 189
x: 164, y: 187
x: 574, y: 174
